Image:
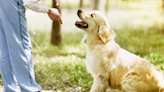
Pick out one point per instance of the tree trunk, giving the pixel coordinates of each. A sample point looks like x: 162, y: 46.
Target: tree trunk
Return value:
x: 94, y: 4
x: 163, y: 4
x: 81, y: 3
x: 56, y: 27
x: 98, y: 5
x: 102, y: 6
x: 106, y: 7
x: 163, y: 11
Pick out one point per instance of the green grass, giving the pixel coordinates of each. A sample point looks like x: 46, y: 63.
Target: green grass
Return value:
x: 59, y: 68
x: 62, y: 72
x: 62, y: 68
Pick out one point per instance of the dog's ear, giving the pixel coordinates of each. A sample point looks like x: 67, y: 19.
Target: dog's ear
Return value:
x: 106, y: 33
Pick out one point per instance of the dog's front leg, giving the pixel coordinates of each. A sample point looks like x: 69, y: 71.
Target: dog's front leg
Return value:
x: 100, y: 84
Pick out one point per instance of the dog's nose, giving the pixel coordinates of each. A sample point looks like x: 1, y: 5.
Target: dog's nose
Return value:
x: 79, y: 11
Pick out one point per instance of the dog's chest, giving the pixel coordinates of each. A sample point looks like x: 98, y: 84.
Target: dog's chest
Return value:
x: 94, y: 62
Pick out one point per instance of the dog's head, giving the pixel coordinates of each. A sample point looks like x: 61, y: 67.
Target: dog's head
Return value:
x: 95, y: 23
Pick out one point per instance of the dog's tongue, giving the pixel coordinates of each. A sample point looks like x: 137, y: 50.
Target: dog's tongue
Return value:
x: 81, y: 24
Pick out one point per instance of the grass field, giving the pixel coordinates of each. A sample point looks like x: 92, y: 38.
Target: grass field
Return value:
x: 63, y: 68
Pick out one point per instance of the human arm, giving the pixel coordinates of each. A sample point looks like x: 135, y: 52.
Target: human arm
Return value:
x: 53, y: 13
x: 35, y: 6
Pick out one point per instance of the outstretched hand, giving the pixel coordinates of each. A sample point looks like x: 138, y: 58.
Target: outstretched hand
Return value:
x: 54, y: 14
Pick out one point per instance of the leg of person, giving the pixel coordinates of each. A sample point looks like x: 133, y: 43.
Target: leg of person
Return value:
x: 9, y: 80
x: 18, y: 43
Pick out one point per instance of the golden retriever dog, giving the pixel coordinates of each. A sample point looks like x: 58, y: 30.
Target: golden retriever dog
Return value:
x: 112, y: 67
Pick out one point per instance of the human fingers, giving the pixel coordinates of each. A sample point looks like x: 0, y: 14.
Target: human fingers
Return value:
x: 59, y: 19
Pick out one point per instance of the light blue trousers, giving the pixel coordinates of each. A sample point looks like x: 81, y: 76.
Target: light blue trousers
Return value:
x: 16, y: 63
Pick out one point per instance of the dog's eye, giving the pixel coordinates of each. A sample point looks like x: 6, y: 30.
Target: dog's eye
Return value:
x: 92, y: 15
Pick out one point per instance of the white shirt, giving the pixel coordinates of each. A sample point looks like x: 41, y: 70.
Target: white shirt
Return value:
x: 35, y: 6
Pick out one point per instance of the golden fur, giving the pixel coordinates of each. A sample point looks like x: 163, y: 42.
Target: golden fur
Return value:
x: 113, y: 67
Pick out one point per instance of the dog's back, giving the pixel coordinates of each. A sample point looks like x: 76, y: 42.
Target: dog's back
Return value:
x: 141, y: 76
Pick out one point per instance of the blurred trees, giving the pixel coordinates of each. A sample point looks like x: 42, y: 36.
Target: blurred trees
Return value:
x: 95, y: 4
x: 98, y: 5
x: 56, y: 27
x: 106, y: 6
x: 81, y: 3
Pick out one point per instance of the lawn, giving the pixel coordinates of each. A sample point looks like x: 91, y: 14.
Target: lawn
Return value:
x: 63, y: 68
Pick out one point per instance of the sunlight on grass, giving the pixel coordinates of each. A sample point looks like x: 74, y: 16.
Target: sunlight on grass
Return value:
x: 156, y: 59
x: 62, y: 72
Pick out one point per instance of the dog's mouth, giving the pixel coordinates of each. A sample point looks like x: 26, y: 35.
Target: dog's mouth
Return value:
x: 81, y: 24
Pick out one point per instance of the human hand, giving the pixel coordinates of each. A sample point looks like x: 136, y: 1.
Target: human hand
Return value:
x: 54, y: 14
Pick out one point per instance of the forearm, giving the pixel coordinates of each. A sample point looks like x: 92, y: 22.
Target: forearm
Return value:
x: 35, y: 6
x: 53, y: 13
